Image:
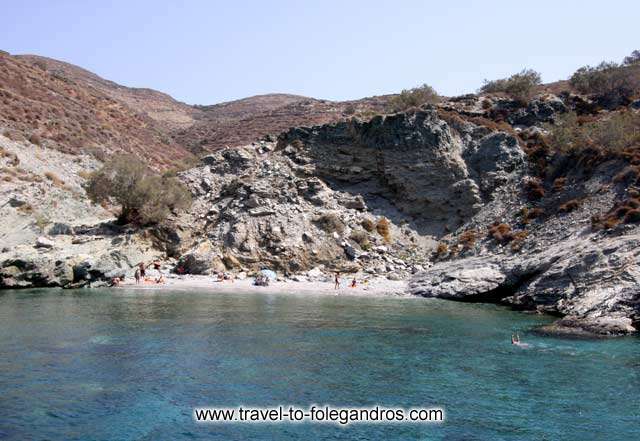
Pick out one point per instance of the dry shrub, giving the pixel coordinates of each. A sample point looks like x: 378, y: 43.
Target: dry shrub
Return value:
x: 468, y: 239
x: 628, y: 176
x: 528, y: 214
x: 534, y: 189
x: 55, y: 179
x: 518, y: 240
x: 624, y: 211
x: 442, y: 249
x: 84, y: 174
x: 500, y: 232
x: 383, y: 229
x: 361, y: 237
x: 25, y: 208
x: 559, y: 183
x: 569, y: 206
x: 330, y: 222
x: 368, y: 225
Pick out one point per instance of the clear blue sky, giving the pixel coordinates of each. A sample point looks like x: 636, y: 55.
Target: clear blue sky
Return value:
x: 203, y: 52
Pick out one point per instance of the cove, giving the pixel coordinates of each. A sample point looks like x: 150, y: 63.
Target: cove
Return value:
x: 112, y: 365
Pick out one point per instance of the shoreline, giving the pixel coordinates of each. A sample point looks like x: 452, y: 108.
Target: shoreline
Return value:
x: 378, y: 287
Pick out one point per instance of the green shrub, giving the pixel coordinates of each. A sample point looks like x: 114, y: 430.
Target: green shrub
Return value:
x: 415, y: 97
x: 634, y: 58
x: 613, y: 84
x: 144, y: 197
x: 519, y: 86
x: 616, y: 133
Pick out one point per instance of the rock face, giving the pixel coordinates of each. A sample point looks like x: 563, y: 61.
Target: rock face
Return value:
x: 305, y: 201
x: 594, y: 283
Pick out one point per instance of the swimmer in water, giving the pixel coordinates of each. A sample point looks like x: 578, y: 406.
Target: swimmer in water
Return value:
x: 515, y: 340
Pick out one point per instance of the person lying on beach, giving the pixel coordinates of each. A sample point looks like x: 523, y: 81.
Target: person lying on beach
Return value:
x: 115, y: 281
x: 160, y: 279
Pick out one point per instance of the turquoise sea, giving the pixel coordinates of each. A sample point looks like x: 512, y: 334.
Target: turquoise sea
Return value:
x: 132, y: 365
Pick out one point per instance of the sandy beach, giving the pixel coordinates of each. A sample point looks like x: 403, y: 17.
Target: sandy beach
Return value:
x: 375, y: 287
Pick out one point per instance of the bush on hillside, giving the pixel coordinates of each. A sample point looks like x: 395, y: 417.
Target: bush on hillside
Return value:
x: 611, y: 83
x: 616, y: 133
x: 330, y: 222
x: 519, y: 86
x: 415, y: 97
x: 634, y: 58
x: 144, y: 197
x: 383, y: 227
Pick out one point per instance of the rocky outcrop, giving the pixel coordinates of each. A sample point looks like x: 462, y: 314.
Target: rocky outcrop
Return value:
x: 592, y: 283
x: 314, y: 199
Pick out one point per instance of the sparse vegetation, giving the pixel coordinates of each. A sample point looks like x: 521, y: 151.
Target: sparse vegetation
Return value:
x: 330, y: 222
x: 519, y: 86
x: 611, y: 83
x: 415, y: 97
x: 41, y: 221
x: 144, y: 197
x: 468, y: 239
x: 84, y: 174
x: 632, y: 59
x: 534, y: 189
x: 559, y: 183
x: 54, y: 178
x: 361, y: 237
x: 442, y: 249
x: 527, y: 214
x: 569, y: 206
x: 368, y: 225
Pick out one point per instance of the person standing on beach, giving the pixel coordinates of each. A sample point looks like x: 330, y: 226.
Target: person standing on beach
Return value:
x: 137, y: 275
x: 142, y: 270
x: 337, y: 281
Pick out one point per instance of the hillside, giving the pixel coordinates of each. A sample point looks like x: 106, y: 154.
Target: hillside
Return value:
x: 153, y: 118
x: 73, y: 117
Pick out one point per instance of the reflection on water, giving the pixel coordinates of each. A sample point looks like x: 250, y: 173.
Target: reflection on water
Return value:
x: 131, y: 365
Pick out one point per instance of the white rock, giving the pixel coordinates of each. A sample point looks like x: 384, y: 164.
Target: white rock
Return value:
x: 43, y: 242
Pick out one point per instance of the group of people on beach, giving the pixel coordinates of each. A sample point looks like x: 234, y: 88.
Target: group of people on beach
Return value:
x: 141, y: 273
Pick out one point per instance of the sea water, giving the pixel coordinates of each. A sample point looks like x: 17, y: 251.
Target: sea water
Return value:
x: 132, y: 365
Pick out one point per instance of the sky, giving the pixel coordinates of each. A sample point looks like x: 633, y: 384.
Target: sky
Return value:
x: 205, y: 52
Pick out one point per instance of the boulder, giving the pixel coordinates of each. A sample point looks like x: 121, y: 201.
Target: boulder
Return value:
x: 231, y: 261
x: 43, y: 242
x: 60, y: 228
x: 461, y: 279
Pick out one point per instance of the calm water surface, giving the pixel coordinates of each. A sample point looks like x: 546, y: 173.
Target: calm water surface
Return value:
x: 126, y: 365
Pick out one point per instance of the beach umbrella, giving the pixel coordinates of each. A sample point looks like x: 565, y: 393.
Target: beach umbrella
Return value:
x: 269, y: 274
